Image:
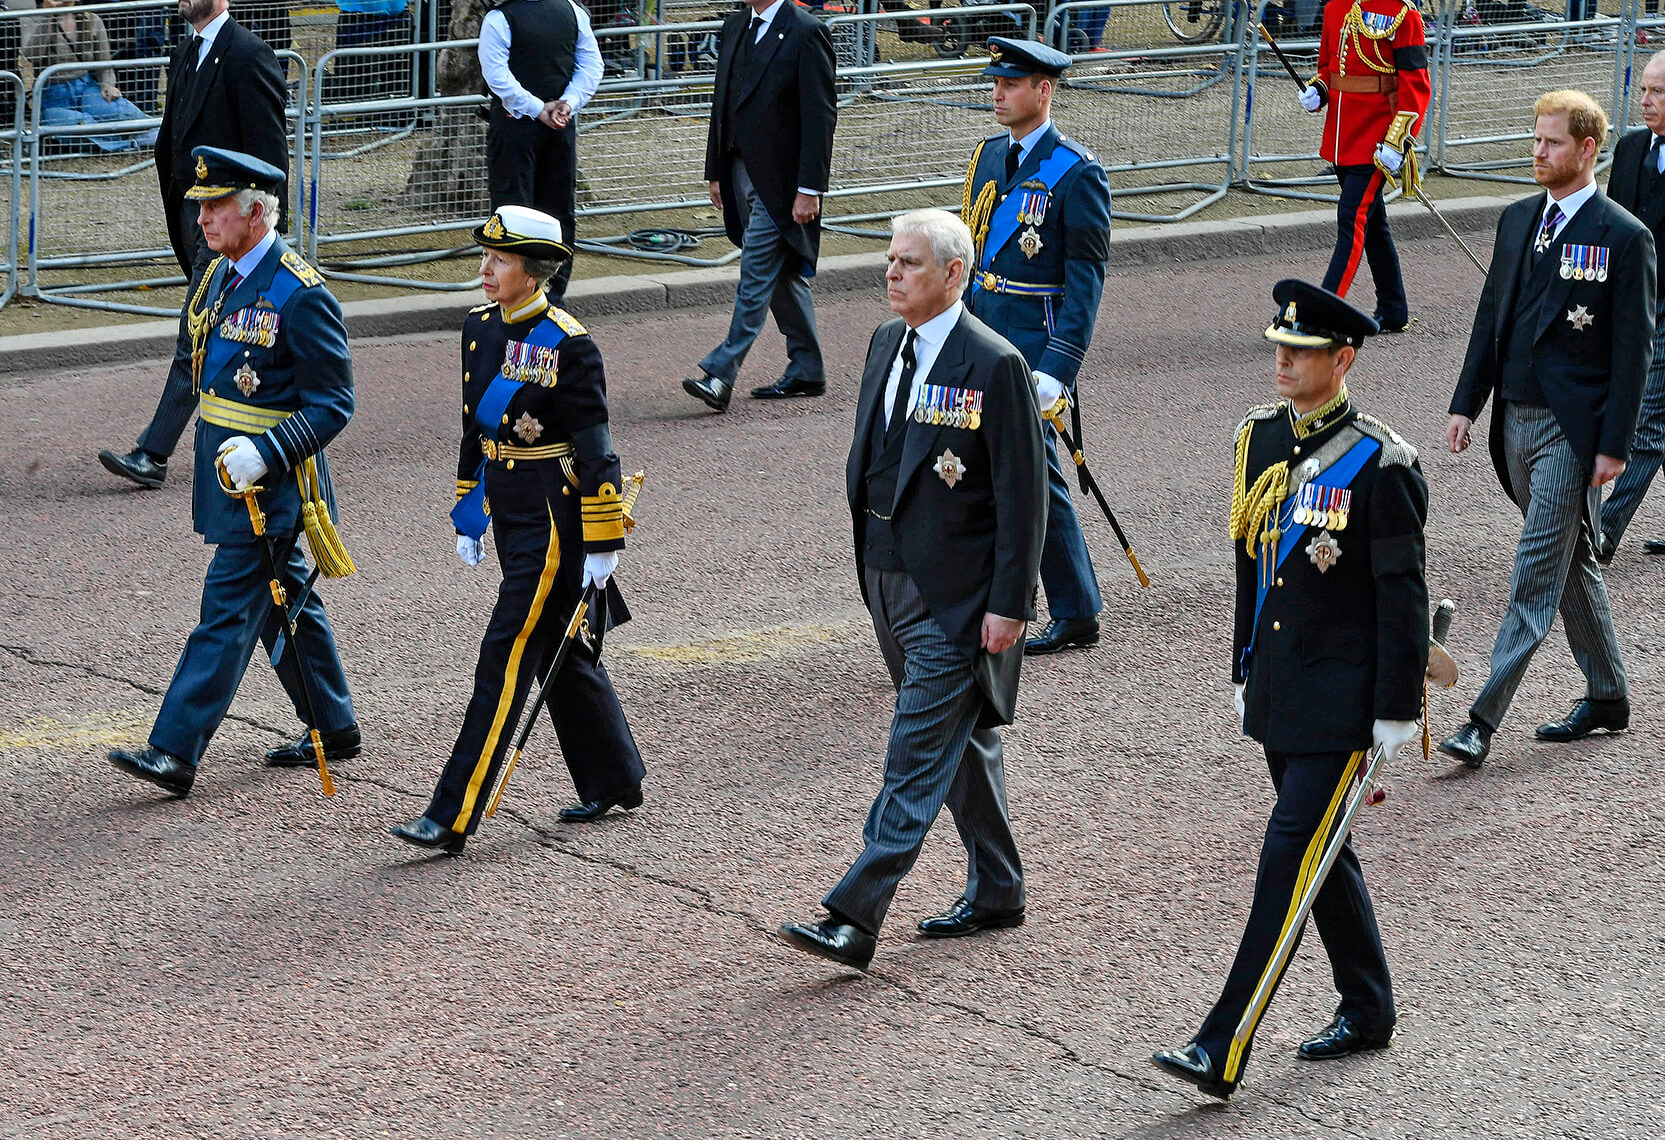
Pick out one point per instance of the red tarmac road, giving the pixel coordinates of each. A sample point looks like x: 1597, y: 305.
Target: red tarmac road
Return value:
x: 256, y: 961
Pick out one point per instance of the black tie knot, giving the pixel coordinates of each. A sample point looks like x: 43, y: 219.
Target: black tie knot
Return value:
x: 1014, y: 159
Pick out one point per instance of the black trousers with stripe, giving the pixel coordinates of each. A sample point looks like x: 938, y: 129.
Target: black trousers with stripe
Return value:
x: 1312, y: 795
x: 540, y: 588
x: 1362, y: 234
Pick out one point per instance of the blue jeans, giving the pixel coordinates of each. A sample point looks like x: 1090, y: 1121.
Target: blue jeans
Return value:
x: 769, y: 282
x: 75, y: 102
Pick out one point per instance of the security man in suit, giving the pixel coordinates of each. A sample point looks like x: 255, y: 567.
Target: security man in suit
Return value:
x: 1329, y: 648
x: 1563, y: 337
x: 1636, y: 182
x: 225, y: 90
x: 1373, y: 87
x: 276, y: 382
x: 537, y: 463
x: 947, y: 491
x: 1038, y: 205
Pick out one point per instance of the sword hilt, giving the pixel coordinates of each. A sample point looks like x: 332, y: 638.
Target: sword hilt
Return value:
x: 632, y: 492
x: 257, y: 517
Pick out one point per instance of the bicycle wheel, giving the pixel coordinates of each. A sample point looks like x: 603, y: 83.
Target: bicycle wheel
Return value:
x: 1194, y: 21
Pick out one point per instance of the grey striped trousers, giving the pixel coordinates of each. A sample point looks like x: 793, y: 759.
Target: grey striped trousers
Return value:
x: 936, y: 755
x: 1555, y: 566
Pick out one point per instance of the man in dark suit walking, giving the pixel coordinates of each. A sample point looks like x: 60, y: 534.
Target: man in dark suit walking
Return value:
x: 768, y: 159
x: 225, y: 90
x: 1636, y: 181
x: 947, y: 487
x: 1563, y: 336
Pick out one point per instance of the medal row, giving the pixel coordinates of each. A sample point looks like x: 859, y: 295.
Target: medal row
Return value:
x: 955, y: 407
x: 1323, y: 506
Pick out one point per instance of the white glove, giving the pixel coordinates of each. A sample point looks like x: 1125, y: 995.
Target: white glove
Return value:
x: 1391, y: 735
x: 1237, y: 702
x: 1047, y: 390
x: 599, y: 567
x: 1389, y: 158
x: 471, y: 550
x: 1310, y: 98
x: 242, y: 460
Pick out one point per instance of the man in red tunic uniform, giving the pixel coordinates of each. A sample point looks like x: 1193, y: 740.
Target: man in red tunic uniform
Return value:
x: 1372, y: 83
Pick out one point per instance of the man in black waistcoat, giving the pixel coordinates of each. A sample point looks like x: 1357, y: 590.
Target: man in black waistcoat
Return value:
x: 768, y: 159
x: 225, y: 90
x: 1562, y: 339
x: 542, y: 64
x: 947, y: 488
x: 1636, y: 182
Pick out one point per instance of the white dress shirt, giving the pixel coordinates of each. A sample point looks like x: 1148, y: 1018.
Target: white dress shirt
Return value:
x: 925, y: 348
x: 246, y: 264
x: 205, y: 38
x: 495, y: 38
x: 1569, y: 206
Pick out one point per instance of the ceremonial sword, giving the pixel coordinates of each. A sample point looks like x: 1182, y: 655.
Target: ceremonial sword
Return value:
x: 569, y: 637
x: 1369, y: 791
x: 280, y: 598
x: 1055, y: 416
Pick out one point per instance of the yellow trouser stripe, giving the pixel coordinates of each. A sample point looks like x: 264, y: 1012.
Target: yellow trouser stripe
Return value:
x: 225, y: 413
x: 511, y: 671
x: 1315, y: 852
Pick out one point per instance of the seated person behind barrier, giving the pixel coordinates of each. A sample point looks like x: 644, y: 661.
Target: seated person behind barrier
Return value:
x: 76, y: 97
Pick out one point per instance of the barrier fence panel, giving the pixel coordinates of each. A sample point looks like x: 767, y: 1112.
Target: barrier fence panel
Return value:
x: 1494, y: 71
x: 1150, y: 101
x: 11, y: 154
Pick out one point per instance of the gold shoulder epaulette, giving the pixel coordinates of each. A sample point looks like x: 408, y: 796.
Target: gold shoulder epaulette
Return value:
x: 484, y: 307
x: 297, y: 265
x: 1258, y: 412
x: 569, y: 323
x: 1396, y: 449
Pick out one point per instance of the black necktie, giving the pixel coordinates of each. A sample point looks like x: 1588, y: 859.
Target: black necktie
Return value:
x: 904, y: 388
x: 1014, y: 159
x: 749, y: 41
x: 1653, y: 155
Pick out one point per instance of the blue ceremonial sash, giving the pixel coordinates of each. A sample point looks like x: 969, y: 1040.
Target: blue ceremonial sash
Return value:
x: 1003, y: 223
x: 221, y: 350
x: 1338, y: 474
x: 470, y: 515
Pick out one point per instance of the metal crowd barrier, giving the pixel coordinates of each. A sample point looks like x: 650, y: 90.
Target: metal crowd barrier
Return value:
x: 11, y: 152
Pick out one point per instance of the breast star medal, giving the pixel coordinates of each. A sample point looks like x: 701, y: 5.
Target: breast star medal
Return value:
x: 949, y: 467
x: 1324, y: 551
x: 528, y: 428
x: 1581, y: 318
x: 247, y: 379
x: 1030, y: 242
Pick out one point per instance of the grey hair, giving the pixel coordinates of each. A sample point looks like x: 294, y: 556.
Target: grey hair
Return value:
x: 541, y: 270
x: 948, y: 237
x: 1656, y: 57
x: 272, y: 209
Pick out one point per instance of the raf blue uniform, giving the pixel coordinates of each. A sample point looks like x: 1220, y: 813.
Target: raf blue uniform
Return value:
x: 1043, y: 239
x: 276, y: 368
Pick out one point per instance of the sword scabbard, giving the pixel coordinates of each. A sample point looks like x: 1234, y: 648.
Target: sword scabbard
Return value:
x: 323, y: 765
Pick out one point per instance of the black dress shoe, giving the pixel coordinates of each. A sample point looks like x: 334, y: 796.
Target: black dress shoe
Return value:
x: 961, y: 920
x: 1392, y: 324
x: 1063, y: 633
x: 138, y: 465
x: 342, y: 744
x: 1470, y: 744
x: 424, y: 832
x: 1605, y: 550
x: 1192, y: 1064
x: 630, y: 799
x: 833, y: 940
x: 790, y: 386
x: 1341, y: 1038
x: 1588, y: 716
x: 1654, y: 546
x: 714, y: 393
x: 163, y: 769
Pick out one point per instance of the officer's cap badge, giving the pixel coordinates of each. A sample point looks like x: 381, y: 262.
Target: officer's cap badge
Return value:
x: 494, y: 228
x: 202, y: 168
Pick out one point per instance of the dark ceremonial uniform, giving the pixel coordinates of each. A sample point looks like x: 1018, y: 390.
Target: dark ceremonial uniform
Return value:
x: 545, y: 469
x: 1374, y: 86
x: 1042, y: 237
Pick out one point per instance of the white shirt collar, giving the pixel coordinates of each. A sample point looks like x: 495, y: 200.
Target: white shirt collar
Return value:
x: 1028, y: 141
x: 247, y: 264
x: 767, y: 15
x: 936, y: 330
x: 1657, y: 151
x: 1570, y: 204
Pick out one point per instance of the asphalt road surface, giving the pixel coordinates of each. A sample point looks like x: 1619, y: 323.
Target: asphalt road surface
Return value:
x: 256, y: 961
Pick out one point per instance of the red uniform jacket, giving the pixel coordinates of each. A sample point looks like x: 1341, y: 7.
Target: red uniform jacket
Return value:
x: 1372, y: 64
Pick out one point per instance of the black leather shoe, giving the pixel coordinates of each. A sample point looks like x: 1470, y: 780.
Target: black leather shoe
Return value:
x: 1588, y: 716
x: 1392, y: 324
x: 1470, y: 744
x: 714, y: 393
x: 961, y: 920
x: 1654, y: 546
x: 1063, y: 633
x: 137, y: 465
x: 424, y: 832
x: 1605, y: 550
x: 835, y: 941
x: 342, y: 744
x: 1193, y: 1064
x: 630, y: 799
x: 1341, y: 1038
x: 163, y: 769
x: 790, y: 386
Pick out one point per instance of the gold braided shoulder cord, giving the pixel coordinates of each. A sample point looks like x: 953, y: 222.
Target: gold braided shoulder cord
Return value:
x: 1354, y: 28
x: 970, y: 179
x: 197, y: 322
x: 1254, y: 510
x: 976, y: 214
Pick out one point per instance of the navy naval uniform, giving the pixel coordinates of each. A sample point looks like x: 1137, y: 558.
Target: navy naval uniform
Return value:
x: 1042, y: 240
x: 276, y: 368
x: 537, y: 457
